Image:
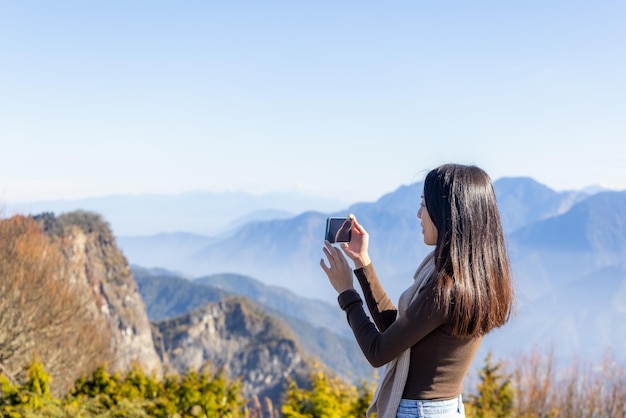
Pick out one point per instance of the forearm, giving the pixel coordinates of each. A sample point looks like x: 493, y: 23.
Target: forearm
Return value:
x: 379, y: 347
x: 382, y: 309
x: 364, y: 330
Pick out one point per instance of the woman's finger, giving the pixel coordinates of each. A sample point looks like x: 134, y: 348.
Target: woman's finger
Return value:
x: 360, y: 230
x: 336, y: 259
x: 353, y: 219
x: 324, y: 266
x: 338, y: 256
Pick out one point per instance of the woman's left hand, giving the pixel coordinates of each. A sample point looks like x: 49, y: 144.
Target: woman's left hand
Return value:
x: 338, y: 271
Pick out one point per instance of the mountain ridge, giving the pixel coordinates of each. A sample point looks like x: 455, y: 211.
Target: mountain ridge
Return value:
x: 318, y: 325
x: 237, y: 336
x: 278, y: 251
x: 543, y: 226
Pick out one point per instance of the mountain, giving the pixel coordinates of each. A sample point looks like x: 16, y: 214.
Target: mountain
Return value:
x: 597, y: 224
x: 167, y: 295
x: 167, y: 249
x: 278, y: 252
x: 96, y: 260
x: 200, y: 213
x: 320, y: 328
x: 579, y: 321
x: 557, y: 241
x: 286, y: 252
x: 523, y: 201
x: 558, y: 250
x: 570, y: 274
x: 237, y: 336
x: 274, y: 298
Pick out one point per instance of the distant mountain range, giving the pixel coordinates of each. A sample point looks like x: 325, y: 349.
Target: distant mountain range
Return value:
x: 567, y: 250
x: 286, y: 252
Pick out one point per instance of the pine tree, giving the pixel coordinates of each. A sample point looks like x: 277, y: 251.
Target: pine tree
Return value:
x: 495, y: 393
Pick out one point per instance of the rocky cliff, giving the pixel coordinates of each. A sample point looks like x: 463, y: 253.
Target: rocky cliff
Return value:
x: 239, y: 337
x: 95, y: 261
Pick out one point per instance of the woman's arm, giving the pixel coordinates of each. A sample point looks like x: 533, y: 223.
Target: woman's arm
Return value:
x: 382, y: 309
x: 420, y: 319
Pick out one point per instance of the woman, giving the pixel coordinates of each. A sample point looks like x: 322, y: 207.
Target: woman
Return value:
x: 461, y: 291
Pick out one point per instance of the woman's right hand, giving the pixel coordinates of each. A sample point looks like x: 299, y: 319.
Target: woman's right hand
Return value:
x: 357, y: 248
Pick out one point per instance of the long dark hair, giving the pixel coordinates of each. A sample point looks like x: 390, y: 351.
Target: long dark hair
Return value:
x: 471, y: 261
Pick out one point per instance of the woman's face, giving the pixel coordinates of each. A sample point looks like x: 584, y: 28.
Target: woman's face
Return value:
x: 429, y: 230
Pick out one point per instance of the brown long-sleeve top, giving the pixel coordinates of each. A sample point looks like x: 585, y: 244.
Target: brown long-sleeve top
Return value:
x: 439, y: 361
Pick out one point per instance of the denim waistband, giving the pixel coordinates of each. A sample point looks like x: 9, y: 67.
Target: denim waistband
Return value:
x: 427, y: 407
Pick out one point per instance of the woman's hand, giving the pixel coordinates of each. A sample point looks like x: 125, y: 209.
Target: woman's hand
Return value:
x: 357, y: 248
x: 338, y: 271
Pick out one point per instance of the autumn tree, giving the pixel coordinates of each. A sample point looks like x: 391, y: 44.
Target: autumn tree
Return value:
x: 42, y: 313
x: 581, y: 390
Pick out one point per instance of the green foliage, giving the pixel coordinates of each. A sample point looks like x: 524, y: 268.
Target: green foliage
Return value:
x: 212, y: 395
x: 365, y: 393
x: 196, y: 394
x: 88, y: 221
x: 33, y: 398
x: 495, y: 394
x: 328, y: 397
x: 209, y: 394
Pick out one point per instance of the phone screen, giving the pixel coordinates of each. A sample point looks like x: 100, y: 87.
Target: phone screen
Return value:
x: 338, y: 229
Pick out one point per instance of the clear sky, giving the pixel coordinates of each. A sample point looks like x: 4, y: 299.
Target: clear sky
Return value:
x: 345, y: 99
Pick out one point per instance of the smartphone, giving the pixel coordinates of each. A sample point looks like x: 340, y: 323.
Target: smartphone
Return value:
x: 338, y: 230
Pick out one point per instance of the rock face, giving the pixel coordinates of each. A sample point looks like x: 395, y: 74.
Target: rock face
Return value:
x: 237, y: 336
x: 234, y: 335
x: 96, y: 261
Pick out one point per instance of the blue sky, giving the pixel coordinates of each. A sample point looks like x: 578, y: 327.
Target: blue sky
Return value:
x: 345, y: 99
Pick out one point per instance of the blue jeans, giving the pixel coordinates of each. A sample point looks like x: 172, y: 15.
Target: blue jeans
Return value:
x: 410, y: 408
